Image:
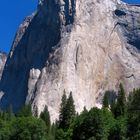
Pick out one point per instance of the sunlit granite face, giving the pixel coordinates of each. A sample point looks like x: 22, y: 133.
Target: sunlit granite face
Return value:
x: 3, y: 57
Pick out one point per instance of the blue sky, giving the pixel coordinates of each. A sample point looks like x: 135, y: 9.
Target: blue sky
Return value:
x: 132, y: 1
x: 12, y: 13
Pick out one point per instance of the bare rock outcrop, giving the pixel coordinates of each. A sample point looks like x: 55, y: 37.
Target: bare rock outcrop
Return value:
x: 3, y: 57
x: 83, y: 46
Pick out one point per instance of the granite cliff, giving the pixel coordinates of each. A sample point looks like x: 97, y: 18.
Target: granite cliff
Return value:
x: 83, y: 46
x: 3, y: 57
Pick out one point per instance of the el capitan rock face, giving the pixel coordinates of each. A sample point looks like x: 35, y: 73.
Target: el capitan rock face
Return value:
x: 83, y: 46
x: 3, y: 57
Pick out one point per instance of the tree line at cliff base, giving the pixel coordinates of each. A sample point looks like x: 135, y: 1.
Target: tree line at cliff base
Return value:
x: 118, y: 119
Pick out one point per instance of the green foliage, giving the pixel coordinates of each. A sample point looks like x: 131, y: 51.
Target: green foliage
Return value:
x: 134, y: 115
x: 5, y: 130
x: 95, y: 124
x: 113, y: 107
x: 119, y: 129
x: 23, y: 128
x: 84, y: 110
x: 10, y: 114
x: 120, y: 122
x: 45, y: 116
x: 60, y: 134
x: 67, y: 111
x: 134, y: 102
x: 62, y: 116
x: 121, y: 102
x: 28, y: 128
x: 119, y: 108
x: 106, y: 100
x: 25, y: 111
x: 70, y: 110
x: 52, y: 133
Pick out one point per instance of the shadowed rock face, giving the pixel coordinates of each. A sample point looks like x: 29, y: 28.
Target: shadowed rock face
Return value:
x: 85, y: 47
x: 129, y: 21
x: 33, y: 43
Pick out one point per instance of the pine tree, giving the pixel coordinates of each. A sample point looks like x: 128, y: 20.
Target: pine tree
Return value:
x: 95, y: 124
x: 70, y: 110
x: 62, y: 116
x: 105, y: 100
x: 45, y: 116
x: 134, y: 115
x: 67, y: 111
x: 36, y: 111
x: 10, y: 113
x: 113, y: 107
x: 53, y: 131
x: 121, y: 103
x: 25, y: 111
x: 84, y: 110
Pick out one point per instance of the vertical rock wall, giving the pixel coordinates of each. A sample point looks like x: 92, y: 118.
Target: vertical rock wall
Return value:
x: 81, y: 46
